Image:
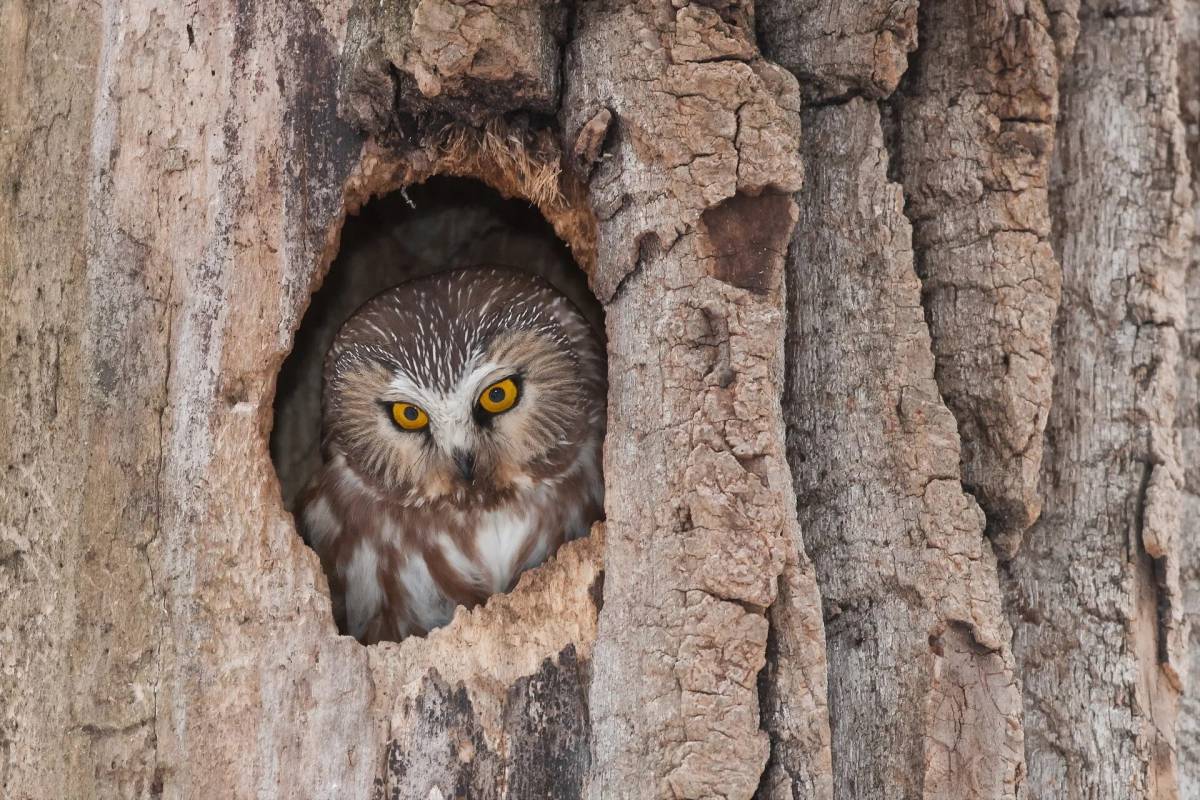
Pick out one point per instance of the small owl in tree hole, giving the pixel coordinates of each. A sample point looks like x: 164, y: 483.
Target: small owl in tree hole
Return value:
x: 462, y: 423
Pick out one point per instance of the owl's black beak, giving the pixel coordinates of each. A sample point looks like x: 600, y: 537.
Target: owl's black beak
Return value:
x: 465, y: 461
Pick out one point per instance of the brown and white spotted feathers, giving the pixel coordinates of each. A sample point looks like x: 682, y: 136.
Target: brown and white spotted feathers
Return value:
x: 463, y: 420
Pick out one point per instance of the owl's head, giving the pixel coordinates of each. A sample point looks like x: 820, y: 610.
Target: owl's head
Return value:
x: 463, y: 387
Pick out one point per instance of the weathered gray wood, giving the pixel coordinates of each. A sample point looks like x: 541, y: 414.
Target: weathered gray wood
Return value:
x: 1188, y: 419
x: 840, y: 48
x: 921, y: 675
x: 1094, y: 597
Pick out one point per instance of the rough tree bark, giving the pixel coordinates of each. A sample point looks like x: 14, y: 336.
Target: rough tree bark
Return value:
x: 899, y: 297
x: 1096, y: 600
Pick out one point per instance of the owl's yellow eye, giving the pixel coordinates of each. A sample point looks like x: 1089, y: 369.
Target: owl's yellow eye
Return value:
x: 409, y: 417
x: 499, y: 397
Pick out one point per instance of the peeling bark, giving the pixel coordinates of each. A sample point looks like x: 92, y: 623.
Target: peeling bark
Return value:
x: 1094, y: 598
x: 975, y: 131
x: 912, y: 603
x: 839, y: 48
x: 702, y: 149
x: 1187, y: 420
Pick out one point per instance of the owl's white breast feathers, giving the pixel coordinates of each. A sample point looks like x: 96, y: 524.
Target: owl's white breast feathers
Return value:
x: 389, y: 558
x: 427, y: 604
x: 500, y: 537
x: 320, y: 522
x: 364, y: 591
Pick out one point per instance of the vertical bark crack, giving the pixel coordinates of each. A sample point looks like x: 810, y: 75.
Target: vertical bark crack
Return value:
x: 972, y: 130
x: 1188, y: 419
x: 889, y: 506
x: 1100, y: 650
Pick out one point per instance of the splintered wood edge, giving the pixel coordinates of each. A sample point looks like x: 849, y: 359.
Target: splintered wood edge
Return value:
x: 486, y: 650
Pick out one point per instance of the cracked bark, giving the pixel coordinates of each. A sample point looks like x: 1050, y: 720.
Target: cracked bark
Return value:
x: 1188, y: 419
x: 693, y: 222
x: 974, y: 120
x: 840, y: 49
x: 828, y: 291
x: 1095, y: 596
x: 158, y: 587
x: 912, y: 603
x: 911, y: 594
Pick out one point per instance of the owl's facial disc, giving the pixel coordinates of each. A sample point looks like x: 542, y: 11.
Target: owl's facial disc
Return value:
x: 464, y: 389
x: 505, y: 424
x: 456, y: 436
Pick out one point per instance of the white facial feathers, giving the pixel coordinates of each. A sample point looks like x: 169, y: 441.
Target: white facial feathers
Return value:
x: 451, y: 413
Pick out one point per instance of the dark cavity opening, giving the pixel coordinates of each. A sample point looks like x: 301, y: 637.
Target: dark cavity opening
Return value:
x: 439, y: 225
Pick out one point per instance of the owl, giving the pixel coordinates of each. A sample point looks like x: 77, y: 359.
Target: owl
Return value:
x: 463, y: 417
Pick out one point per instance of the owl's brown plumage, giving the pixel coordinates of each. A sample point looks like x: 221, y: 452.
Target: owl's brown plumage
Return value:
x: 463, y: 420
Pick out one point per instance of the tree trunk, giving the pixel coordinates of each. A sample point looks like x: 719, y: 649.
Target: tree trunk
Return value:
x: 900, y: 495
